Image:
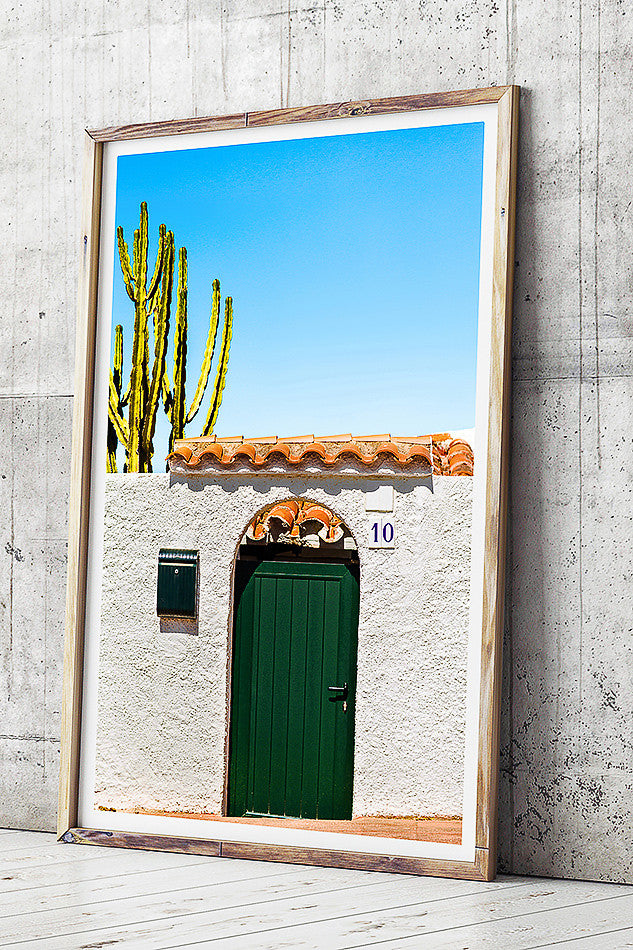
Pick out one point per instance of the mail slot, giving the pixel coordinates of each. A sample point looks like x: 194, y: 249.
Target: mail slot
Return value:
x: 177, y: 583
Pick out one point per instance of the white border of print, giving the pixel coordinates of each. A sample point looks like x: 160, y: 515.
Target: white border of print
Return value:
x: 88, y: 816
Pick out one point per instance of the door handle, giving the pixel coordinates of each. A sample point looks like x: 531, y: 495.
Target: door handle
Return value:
x: 339, y: 693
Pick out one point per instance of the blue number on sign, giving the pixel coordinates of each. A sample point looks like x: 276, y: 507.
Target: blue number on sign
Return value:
x: 375, y: 530
x: 387, y: 532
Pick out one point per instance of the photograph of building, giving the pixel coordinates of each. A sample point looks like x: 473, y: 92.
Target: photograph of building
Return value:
x: 285, y: 620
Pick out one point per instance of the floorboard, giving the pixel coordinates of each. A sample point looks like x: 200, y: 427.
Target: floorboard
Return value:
x: 619, y: 939
x: 12, y: 841
x: 72, y: 897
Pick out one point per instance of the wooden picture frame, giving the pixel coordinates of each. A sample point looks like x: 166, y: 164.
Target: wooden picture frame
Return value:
x: 481, y: 865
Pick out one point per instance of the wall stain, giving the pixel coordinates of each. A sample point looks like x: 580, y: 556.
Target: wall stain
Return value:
x: 580, y: 355
x: 596, y: 224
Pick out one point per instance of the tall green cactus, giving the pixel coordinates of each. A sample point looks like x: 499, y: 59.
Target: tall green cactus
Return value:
x: 143, y: 394
x: 145, y: 391
x: 116, y: 378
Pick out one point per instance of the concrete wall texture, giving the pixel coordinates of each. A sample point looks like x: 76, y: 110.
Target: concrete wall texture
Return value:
x: 162, y: 695
x: 567, y: 748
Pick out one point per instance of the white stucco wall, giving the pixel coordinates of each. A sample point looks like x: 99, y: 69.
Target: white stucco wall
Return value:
x: 162, y: 716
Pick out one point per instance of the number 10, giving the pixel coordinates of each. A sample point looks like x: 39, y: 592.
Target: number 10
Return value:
x: 381, y: 533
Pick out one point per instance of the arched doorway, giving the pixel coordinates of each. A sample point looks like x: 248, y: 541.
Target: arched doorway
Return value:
x: 293, y: 682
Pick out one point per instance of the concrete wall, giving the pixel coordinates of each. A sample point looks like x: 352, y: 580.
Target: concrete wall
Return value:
x: 162, y: 693
x: 567, y: 752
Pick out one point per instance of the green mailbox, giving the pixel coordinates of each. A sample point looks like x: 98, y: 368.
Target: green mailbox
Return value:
x: 176, y: 593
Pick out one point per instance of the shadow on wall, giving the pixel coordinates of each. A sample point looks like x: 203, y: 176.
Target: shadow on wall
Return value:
x: 263, y: 484
x: 179, y: 625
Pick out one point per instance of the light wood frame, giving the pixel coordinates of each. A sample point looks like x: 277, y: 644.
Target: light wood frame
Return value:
x: 483, y: 867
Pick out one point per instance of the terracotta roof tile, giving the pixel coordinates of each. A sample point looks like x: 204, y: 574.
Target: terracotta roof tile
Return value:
x: 295, y: 519
x: 449, y: 456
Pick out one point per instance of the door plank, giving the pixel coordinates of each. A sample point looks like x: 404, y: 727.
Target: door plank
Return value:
x: 328, y: 772
x: 263, y: 691
x: 280, y: 647
x: 242, y: 671
x: 313, y: 698
x: 297, y: 696
x: 348, y: 649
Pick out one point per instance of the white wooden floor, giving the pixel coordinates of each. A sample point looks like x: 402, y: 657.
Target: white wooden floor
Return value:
x: 74, y: 897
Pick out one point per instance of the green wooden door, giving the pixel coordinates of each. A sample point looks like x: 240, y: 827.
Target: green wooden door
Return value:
x: 291, y: 749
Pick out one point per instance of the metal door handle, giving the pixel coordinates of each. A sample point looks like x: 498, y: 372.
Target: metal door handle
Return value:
x: 339, y: 692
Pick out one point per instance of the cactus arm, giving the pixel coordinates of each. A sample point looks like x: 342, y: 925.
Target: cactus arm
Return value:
x: 114, y: 396
x: 162, y: 240
x: 140, y: 348
x: 118, y: 422
x: 135, y: 405
x: 126, y: 268
x: 180, y: 353
x: 112, y: 443
x: 136, y: 244
x: 114, y: 415
x: 220, y: 377
x: 161, y: 333
x: 118, y: 359
x: 166, y: 394
x: 118, y: 365
x: 208, y: 353
x: 142, y: 249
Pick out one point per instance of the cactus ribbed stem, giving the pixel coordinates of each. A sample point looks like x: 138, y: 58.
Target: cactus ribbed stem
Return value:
x: 116, y: 381
x: 115, y: 416
x: 126, y: 267
x: 118, y: 359
x: 162, y: 238
x: 220, y: 376
x: 178, y: 411
x: 161, y: 334
x: 168, y: 399
x: 208, y: 353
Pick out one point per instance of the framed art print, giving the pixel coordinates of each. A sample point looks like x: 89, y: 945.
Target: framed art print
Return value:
x: 285, y: 591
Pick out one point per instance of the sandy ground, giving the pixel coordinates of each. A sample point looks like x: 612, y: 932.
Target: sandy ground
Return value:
x: 439, y: 830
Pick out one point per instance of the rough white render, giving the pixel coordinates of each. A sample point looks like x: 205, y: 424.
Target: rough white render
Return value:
x: 163, y: 692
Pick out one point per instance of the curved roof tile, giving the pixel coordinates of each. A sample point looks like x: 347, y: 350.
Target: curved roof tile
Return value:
x: 293, y: 519
x: 448, y: 456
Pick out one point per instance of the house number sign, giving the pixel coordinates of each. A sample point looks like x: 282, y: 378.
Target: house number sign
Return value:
x: 382, y: 532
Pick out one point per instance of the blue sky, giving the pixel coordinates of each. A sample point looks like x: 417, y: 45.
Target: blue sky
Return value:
x: 353, y: 263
